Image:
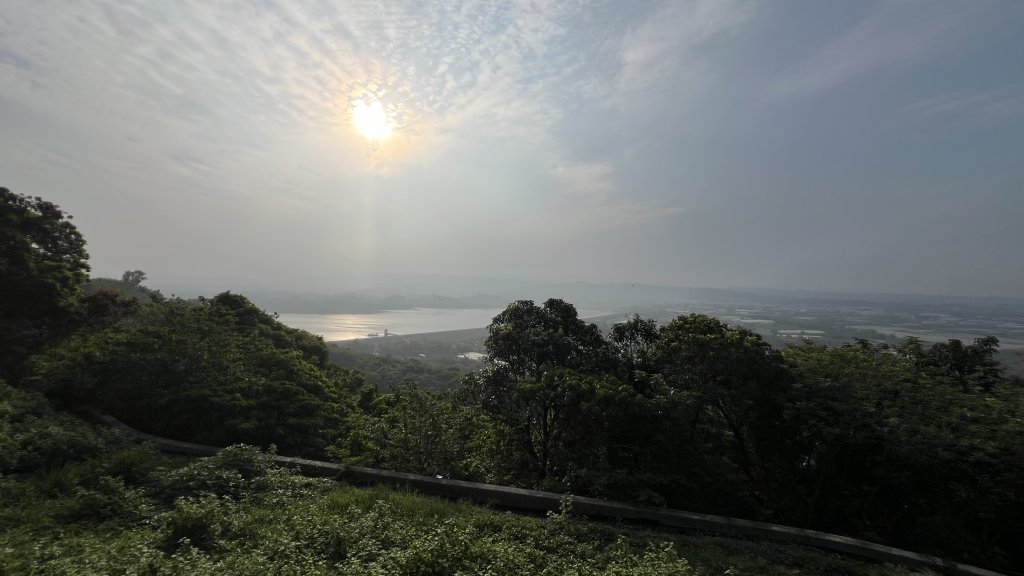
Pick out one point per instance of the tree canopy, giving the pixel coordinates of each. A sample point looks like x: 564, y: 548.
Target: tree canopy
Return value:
x: 43, y: 263
x: 218, y: 371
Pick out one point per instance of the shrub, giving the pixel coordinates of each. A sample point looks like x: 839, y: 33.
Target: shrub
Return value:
x: 108, y: 499
x: 235, y: 471
x: 58, y: 480
x: 133, y: 465
x: 198, y: 522
x: 248, y: 461
x: 34, y: 437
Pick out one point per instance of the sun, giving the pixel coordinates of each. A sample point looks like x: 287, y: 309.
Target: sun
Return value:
x: 371, y: 120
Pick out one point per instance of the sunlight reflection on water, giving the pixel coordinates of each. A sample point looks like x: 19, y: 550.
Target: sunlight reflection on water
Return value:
x: 350, y: 326
x: 398, y: 322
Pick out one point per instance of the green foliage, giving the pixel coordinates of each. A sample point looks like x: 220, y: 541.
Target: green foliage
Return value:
x: 414, y: 431
x: 132, y: 465
x: 107, y: 499
x: 915, y: 446
x: 58, y: 480
x: 43, y: 264
x: 106, y: 301
x: 971, y: 367
x: 892, y: 452
x: 634, y: 341
x: 126, y: 291
x: 235, y: 471
x: 731, y: 383
x: 920, y: 447
x: 248, y: 320
x: 384, y: 372
x: 281, y: 524
x: 217, y: 372
x: 195, y: 521
x: 33, y: 436
x: 525, y: 338
x: 1012, y: 362
x: 133, y: 278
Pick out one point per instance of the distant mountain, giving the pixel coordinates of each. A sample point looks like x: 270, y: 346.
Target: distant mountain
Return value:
x: 476, y: 292
x: 363, y: 303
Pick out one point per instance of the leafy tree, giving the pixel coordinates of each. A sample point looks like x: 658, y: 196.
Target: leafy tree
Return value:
x: 43, y: 264
x: 247, y: 319
x: 526, y: 339
x: 418, y: 431
x: 841, y: 431
x: 537, y: 391
x: 733, y: 383
x: 217, y: 372
x: 888, y: 449
x: 106, y: 307
x: 634, y: 341
x: 970, y: 367
x: 133, y: 278
x: 384, y: 370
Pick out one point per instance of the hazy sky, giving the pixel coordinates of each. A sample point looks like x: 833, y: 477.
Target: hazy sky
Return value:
x: 833, y: 145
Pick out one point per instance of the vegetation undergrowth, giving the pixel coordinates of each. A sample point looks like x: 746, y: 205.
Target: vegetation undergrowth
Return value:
x: 125, y: 509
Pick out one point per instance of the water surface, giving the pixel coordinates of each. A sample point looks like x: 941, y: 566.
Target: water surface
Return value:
x: 398, y: 322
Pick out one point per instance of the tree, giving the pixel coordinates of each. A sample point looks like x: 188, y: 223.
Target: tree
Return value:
x: 734, y: 382
x: 43, y: 264
x: 843, y: 430
x: 216, y: 372
x: 525, y: 339
x: 633, y: 341
x: 969, y: 367
x: 545, y: 429
x: 412, y: 430
x: 536, y: 388
x: 887, y: 447
x: 133, y: 278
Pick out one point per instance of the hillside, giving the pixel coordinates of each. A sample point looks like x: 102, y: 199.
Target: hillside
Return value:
x: 910, y: 444
x: 114, y: 508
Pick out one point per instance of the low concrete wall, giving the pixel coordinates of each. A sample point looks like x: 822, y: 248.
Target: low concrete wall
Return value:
x: 522, y: 499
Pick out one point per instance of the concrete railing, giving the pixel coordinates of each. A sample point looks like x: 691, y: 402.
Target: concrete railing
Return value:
x: 536, y: 500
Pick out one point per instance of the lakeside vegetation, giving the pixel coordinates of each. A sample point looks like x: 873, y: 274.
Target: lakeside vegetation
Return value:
x: 916, y: 446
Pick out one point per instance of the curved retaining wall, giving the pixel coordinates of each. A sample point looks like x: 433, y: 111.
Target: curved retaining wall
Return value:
x: 537, y: 500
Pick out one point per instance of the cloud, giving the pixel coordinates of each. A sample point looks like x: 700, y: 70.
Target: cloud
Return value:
x: 589, y: 179
x: 892, y: 35
x: 999, y: 104
x: 663, y: 50
x: 585, y: 222
x: 624, y: 215
x: 200, y: 66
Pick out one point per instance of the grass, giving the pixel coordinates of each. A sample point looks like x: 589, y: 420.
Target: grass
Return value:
x: 74, y: 501
x: 286, y: 524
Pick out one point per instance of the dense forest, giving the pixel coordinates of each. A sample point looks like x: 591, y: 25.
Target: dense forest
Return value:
x: 913, y: 445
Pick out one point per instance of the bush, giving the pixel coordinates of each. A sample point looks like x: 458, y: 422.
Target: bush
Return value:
x: 133, y: 465
x: 108, y: 499
x: 217, y: 372
x: 198, y: 522
x: 235, y: 471
x: 248, y: 461
x: 58, y: 480
x: 34, y: 437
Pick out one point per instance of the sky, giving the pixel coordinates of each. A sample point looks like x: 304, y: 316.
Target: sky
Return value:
x: 836, y: 145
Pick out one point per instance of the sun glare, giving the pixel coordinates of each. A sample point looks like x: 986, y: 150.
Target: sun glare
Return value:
x: 371, y: 120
